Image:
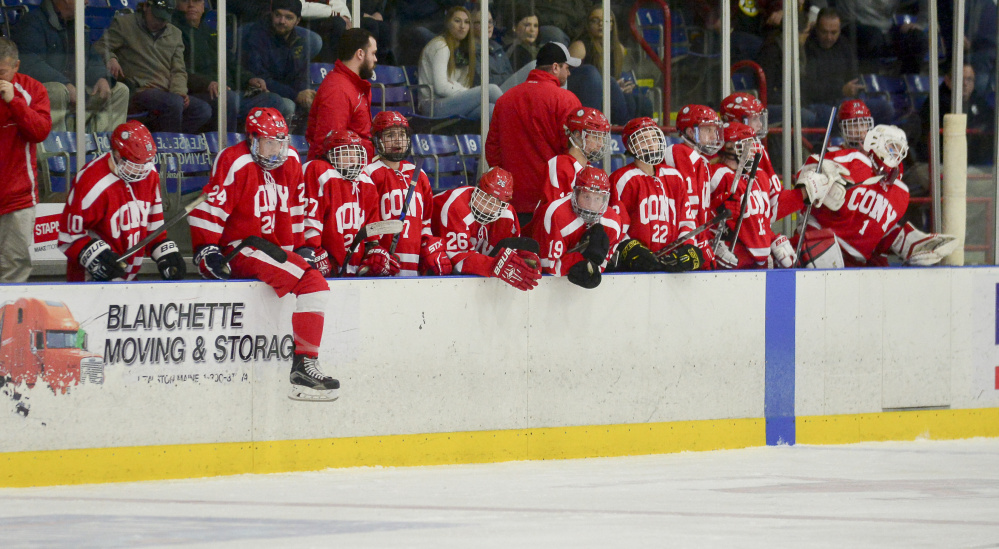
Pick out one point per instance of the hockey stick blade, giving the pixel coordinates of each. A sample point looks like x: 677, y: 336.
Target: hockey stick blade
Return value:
x: 722, y: 216
x: 162, y: 229
x: 517, y: 243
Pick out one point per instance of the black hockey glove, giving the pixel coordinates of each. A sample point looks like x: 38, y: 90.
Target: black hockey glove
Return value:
x: 211, y: 263
x: 633, y: 256
x: 317, y: 258
x: 597, y: 244
x: 685, y: 258
x: 169, y: 261
x: 101, y: 262
x: 585, y: 275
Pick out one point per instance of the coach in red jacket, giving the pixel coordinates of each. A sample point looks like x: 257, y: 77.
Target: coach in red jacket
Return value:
x: 343, y: 101
x: 527, y: 126
x: 24, y: 120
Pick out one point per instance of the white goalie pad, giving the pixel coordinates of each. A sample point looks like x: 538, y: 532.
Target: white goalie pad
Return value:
x: 918, y: 248
x: 822, y: 251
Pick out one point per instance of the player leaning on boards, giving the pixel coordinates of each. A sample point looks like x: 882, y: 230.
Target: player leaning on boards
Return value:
x: 588, y: 132
x: 114, y: 204
x: 481, y: 232
x: 257, y: 190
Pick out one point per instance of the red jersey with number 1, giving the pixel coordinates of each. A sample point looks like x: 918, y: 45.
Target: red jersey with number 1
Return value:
x: 468, y: 242
x: 868, y: 221
x: 755, y: 234
x: 391, y: 187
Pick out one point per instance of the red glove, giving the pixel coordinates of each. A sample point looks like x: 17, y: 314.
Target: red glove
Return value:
x: 518, y: 268
x: 378, y: 262
x: 433, y: 259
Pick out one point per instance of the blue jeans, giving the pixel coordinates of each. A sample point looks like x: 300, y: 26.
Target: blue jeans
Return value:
x: 232, y: 110
x: 467, y: 103
x: 167, y: 112
x: 267, y: 99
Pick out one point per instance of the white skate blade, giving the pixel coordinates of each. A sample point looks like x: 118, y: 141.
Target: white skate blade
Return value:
x: 312, y: 395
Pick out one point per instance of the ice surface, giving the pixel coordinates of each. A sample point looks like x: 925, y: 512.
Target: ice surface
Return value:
x: 896, y: 494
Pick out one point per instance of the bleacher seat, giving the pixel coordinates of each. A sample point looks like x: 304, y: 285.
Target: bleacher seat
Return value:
x: 57, y: 159
x: 470, y: 148
x: 917, y: 83
x: 124, y: 4
x: 12, y: 11
x: 390, y: 90
x: 301, y: 145
x: 212, y: 142
x: 184, y: 165
x: 742, y: 82
x: 441, y: 160
x: 318, y: 71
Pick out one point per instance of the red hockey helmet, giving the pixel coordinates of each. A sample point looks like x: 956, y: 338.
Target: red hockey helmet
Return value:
x: 489, y: 200
x: 345, y: 151
x: 746, y: 108
x: 700, y: 127
x: 589, y: 131
x: 738, y: 136
x: 268, y: 135
x: 644, y: 140
x: 136, y: 151
x: 855, y: 121
x: 395, y: 145
x: 591, y: 194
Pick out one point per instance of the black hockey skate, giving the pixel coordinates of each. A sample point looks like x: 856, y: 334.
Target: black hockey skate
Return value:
x: 309, y: 383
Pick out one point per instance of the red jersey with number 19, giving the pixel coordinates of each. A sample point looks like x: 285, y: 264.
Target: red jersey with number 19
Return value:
x: 558, y: 230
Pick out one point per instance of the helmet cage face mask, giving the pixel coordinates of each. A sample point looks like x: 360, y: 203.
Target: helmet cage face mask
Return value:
x: 704, y: 144
x: 580, y: 139
x: 754, y: 144
x: 382, y: 143
x: 589, y: 204
x: 887, y: 144
x: 269, y: 161
x: 131, y: 172
x: 854, y: 130
x: 648, y: 145
x: 486, y: 208
x: 349, y: 160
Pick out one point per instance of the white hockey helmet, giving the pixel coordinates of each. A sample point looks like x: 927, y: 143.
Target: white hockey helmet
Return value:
x: 886, y: 145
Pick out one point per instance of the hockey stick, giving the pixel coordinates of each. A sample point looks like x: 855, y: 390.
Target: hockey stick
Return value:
x: 402, y: 216
x: 162, y: 229
x: 517, y: 243
x: 745, y: 198
x: 818, y: 168
x: 271, y: 249
x: 743, y: 158
x: 721, y: 216
x: 378, y: 228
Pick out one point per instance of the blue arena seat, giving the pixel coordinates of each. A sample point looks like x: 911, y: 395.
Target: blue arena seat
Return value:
x: 301, y: 145
x: 318, y: 71
x: 470, y: 148
x: 212, y: 142
x: 441, y: 159
x: 57, y: 158
x: 390, y: 90
x: 184, y: 164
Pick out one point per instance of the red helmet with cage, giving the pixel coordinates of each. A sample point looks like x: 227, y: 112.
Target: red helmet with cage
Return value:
x: 700, y: 127
x: 136, y: 151
x: 392, y: 149
x: 746, y: 108
x: 268, y: 135
x: 589, y: 131
x: 644, y: 140
x: 855, y: 121
x: 345, y: 152
x: 591, y: 194
x: 489, y: 200
x: 737, y: 137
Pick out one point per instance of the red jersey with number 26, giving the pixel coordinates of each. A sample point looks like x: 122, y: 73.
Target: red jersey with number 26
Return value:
x: 466, y: 240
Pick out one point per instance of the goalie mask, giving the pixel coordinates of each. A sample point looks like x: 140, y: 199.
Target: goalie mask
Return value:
x: 886, y: 145
x: 701, y: 128
x: 134, y: 151
x: 490, y: 199
x: 738, y: 136
x: 345, y: 152
x: 644, y: 140
x: 591, y: 194
x: 745, y: 108
x: 854, y: 122
x: 391, y: 136
x: 268, y: 135
x: 588, y: 131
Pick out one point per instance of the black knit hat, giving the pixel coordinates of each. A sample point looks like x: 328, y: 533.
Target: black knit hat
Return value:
x: 294, y: 6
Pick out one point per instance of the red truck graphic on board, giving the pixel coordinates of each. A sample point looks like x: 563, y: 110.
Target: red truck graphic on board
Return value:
x: 41, y: 339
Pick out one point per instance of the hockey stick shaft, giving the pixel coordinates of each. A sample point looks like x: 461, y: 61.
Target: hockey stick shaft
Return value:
x: 818, y: 168
x: 696, y: 231
x: 162, y: 229
x: 745, y: 198
x: 405, y: 210
x: 271, y: 249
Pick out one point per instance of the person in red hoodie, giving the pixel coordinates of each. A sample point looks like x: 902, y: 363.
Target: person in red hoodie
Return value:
x: 343, y: 101
x: 25, y: 120
x: 528, y: 126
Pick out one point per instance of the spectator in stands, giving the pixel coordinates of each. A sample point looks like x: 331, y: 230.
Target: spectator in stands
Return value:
x: 874, y: 34
x: 24, y: 121
x: 447, y: 66
x: 981, y: 117
x: 419, y: 22
x: 561, y: 18
x: 627, y: 101
x: 528, y: 126
x: 146, y: 52
x: 278, y: 60
x: 201, y: 60
x: 45, y: 40
x: 343, y: 101
x: 499, y: 65
x: 831, y: 71
x: 524, y: 47
x: 328, y: 18
x: 980, y: 41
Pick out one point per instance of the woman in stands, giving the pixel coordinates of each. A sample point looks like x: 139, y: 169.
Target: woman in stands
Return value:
x: 447, y: 65
x: 524, y: 48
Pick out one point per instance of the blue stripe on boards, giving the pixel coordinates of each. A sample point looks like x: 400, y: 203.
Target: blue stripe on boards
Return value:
x: 778, y: 408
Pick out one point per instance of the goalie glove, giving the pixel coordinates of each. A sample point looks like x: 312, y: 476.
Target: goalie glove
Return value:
x: 211, y: 263
x: 782, y: 252
x: 635, y: 257
x: 434, y: 260
x: 918, y: 248
x: 518, y: 268
x: 585, y: 274
x: 317, y: 258
x: 685, y: 258
x: 169, y: 261
x: 101, y: 262
x: 378, y: 262
x: 832, y: 197
x: 725, y: 258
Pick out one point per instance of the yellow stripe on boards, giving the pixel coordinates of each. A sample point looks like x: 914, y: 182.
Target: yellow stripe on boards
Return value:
x: 905, y: 425
x: 97, y: 465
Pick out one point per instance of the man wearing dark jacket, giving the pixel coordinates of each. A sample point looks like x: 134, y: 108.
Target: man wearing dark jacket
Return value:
x: 45, y: 39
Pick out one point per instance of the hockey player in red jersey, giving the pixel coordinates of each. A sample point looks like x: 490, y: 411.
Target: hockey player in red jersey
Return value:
x: 114, y: 204
x: 578, y: 233
x: 754, y: 239
x: 475, y: 221
x: 256, y: 189
x: 851, y: 163
x: 418, y: 251
x: 869, y: 225
x: 700, y: 128
x: 747, y: 109
x: 589, y: 136
x: 645, y: 194
x: 338, y: 205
